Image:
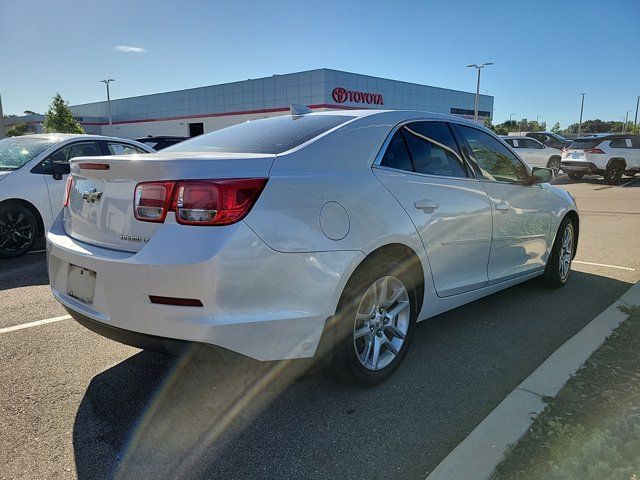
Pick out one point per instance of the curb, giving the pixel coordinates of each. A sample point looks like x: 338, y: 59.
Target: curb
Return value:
x: 477, y: 456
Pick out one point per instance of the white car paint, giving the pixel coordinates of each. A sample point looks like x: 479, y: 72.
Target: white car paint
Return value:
x: 594, y: 154
x: 532, y: 151
x: 269, y: 282
x: 42, y: 191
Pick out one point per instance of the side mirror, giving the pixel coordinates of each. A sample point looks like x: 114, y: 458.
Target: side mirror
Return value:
x: 58, y: 170
x: 542, y: 174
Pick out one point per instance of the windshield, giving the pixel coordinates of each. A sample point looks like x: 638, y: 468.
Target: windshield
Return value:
x: 558, y: 137
x: 269, y: 135
x: 18, y: 151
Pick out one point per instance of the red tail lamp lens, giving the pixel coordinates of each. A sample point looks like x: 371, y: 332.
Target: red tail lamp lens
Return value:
x: 152, y: 200
x: 67, y: 191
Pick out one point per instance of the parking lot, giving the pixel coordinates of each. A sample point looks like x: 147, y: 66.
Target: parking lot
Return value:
x: 75, y: 405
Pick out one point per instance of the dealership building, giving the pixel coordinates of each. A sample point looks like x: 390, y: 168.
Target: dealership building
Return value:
x: 204, y: 109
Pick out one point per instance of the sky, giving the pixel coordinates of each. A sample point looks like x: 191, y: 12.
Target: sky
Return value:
x: 545, y: 52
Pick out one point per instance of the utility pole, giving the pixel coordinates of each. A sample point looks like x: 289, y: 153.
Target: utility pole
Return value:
x: 581, y: 109
x: 510, y: 115
x: 478, y: 67
x: 106, y: 82
x: 2, y: 131
x: 626, y: 120
x: 635, y: 119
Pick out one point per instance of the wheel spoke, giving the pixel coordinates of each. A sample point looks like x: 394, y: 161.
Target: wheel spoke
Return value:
x: 366, y: 352
x: 382, y: 289
x: 377, y: 343
x: 395, y: 311
x: 390, y: 346
x: 361, y: 332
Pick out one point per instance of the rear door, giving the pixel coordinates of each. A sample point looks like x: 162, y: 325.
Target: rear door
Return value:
x: 423, y: 168
x: 521, y: 213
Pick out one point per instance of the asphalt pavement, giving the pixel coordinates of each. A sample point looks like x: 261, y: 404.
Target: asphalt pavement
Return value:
x: 76, y: 405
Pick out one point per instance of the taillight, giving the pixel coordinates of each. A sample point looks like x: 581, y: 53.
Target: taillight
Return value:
x: 594, y: 150
x: 198, y: 202
x: 152, y: 201
x: 67, y: 191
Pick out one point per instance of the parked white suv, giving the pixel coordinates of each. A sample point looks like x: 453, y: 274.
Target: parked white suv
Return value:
x: 33, y: 173
x: 275, y: 236
x: 609, y: 155
x: 536, y: 153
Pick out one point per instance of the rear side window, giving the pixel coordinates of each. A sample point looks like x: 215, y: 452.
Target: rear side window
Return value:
x: 433, y: 149
x: 397, y: 155
x: 123, y: 149
x: 583, y: 143
x: 635, y: 142
x: 528, y: 143
x: 268, y: 135
x: 620, y: 143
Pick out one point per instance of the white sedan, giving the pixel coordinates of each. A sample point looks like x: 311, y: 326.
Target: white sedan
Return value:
x: 33, y: 172
x: 277, y: 237
x: 536, y: 153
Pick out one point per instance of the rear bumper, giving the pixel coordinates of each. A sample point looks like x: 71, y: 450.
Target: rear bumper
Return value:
x: 570, y: 166
x: 256, y: 301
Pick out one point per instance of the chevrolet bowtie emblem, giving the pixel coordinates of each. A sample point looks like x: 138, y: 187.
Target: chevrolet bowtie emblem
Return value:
x: 91, y: 196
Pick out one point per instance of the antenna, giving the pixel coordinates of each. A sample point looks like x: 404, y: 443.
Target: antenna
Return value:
x: 299, y: 110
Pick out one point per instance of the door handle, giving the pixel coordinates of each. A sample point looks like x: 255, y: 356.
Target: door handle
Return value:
x: 426, y: 205
x: 502, y: 205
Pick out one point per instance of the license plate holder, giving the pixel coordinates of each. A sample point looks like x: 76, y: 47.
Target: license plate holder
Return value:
x: 81, y: 283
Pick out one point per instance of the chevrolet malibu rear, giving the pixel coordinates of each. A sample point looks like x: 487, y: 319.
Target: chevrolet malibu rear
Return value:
x: 278, y: 237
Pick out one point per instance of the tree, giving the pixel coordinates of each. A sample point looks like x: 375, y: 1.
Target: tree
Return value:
x: 556, y: 128
x: 17, y: 130
x: 488, y: 124
x: 59, y: 118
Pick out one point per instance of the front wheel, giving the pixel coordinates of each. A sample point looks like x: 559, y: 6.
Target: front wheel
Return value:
x: 554, y: 165
x: 613, y: 173
x: 556, y: 273
x: 18, y: 230
x: 375, y: 322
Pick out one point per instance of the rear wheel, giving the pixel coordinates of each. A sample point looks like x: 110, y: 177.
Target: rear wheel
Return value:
x: 18, y: 230
x: 558, y: 267
x: 554, y: 165
x: 375, y: 322
x: 576, y: 175
x: 613, y: 173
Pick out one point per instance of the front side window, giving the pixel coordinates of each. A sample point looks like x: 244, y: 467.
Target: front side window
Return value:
x: 495, y: 160
x: 62, y: 156
x: 433, y: 149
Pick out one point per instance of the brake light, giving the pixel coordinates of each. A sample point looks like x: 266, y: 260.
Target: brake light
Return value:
x: 197, y: 202
x: 67, y: 191
x: 152, y: 201
x: 594, y: 150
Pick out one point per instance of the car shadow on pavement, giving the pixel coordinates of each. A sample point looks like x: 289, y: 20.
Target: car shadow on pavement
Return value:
x: 24, y: 271
x: 153, y: 416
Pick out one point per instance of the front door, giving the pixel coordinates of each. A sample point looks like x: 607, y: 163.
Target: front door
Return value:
x: 423, y: 169
x: 521, y: 212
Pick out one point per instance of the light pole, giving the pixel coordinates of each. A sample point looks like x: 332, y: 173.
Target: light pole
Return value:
x: 581, y: 109
x: 626, y: 120
x: 510, y: 115
x: 635, y: 119
x: 106, y: 82
x: 478, y: 67
x: 1, y: 120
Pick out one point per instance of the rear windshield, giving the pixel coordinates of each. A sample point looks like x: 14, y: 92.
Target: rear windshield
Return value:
x: 269, y: 135
x: 582, y: 143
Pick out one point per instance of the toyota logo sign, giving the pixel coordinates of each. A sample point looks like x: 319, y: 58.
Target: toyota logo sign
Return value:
x: 341, y: 95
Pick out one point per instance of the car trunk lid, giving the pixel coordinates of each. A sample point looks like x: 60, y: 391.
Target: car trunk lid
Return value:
x: 100, y: 209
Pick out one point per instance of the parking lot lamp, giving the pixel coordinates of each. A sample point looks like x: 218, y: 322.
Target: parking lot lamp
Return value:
x: 510, y: 115
x: 478, y: 67
x: 626, y: 120
x: 635, y: 119
x: 581, y: 109
x: 106, y: 82
x: 2, y: 120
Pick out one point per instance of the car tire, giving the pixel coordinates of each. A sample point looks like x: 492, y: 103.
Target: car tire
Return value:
x: 18, y: 230
x: 576, y: 176
x: 554, y: 165
x: 556, y: 273
x: 372, y: 335
x: 630, y: 174
x: 613, y: 173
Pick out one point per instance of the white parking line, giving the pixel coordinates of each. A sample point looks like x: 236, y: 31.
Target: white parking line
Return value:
x: 605, y: 265
x: 34, y: 324
x: 37, y: 251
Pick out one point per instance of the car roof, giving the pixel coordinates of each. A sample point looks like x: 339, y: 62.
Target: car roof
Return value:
x: 161, y: 137
x: 517, y: 137
x: 62, y: 137
x: 606, y: 136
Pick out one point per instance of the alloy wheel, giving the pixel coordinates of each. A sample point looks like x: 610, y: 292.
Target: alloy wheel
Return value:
x: 381, y: 323
x: 16, y: 232
x: 566, y: 252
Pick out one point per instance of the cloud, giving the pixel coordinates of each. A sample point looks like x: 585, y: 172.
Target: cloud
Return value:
x: 129, y: 49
